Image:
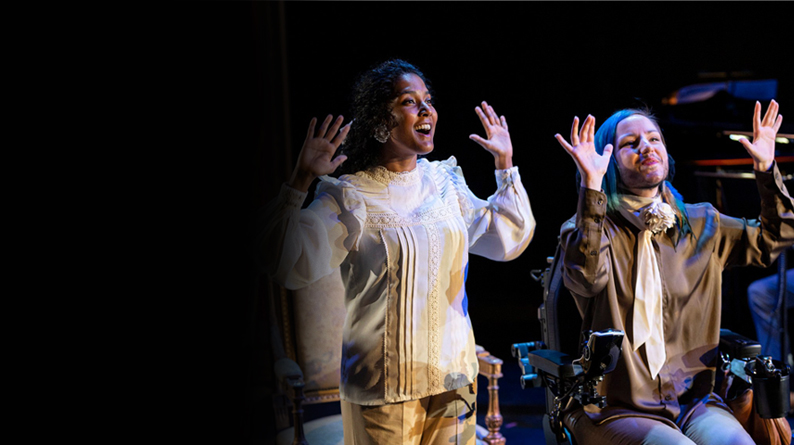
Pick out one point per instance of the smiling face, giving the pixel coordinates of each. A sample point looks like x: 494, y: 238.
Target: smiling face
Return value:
x: 641, y: 155
x: 416, y: 120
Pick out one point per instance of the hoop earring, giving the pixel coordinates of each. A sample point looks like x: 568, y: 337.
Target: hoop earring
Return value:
x: 381, y: 134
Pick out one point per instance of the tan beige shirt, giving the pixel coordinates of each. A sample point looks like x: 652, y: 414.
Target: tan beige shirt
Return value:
x: 402, y: 242
x: 599, y: 251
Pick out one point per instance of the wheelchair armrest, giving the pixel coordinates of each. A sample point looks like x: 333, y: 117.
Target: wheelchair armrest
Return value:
x: 738, y: 346
x: 554, y: 363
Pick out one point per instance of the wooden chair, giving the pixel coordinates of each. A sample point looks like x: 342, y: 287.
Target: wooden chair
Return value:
x: 308, y: 353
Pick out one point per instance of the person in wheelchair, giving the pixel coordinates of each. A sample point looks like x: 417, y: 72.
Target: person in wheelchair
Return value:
x: 638, y: 259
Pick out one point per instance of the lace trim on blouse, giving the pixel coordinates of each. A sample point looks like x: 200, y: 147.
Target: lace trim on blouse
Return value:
x: 385, y: 220
x: 432, y: 301
x: 384, y: 176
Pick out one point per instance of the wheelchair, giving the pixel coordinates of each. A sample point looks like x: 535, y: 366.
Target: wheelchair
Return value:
x: 570, y: 368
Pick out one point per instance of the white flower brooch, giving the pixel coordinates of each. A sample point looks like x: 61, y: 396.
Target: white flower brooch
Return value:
x: 658, y: 216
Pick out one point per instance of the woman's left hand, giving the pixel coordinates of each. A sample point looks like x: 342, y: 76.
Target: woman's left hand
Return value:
x: 762, y: 149
x: 498, y: 142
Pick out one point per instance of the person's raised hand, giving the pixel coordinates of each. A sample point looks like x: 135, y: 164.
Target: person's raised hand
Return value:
x: 316, y: 155
x: 762, y: 149
x: 498, y: 138
x: 592, y: 166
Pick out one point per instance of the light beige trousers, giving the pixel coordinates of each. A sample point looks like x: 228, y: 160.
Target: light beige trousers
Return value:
x: 448, y: 418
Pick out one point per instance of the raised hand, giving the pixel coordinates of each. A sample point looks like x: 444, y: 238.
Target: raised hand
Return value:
x: 592, y: 166
x: 315, y: 158
x: 498, y: 141
x: 762, y: 149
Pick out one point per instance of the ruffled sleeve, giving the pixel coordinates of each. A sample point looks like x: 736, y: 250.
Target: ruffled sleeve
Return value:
x: 298, y: 247
x: 500, y: 227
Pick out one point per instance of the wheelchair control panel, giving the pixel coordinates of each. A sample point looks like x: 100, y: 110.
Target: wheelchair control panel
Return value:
x: 746, y: 368
x: 568, y: 378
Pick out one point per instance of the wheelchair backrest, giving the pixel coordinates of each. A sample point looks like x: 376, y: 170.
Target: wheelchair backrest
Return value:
x: 561, y: 324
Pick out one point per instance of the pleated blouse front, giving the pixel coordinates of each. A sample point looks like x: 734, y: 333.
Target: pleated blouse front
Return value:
x: 402, y: 242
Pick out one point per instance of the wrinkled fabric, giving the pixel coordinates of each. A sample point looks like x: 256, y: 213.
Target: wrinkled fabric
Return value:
x: 599, y: 263
x: 709, y: 425
x: 443, y: 419
x: 402, y: 241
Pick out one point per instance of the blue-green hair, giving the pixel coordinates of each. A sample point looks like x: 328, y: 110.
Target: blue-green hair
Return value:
x: 612, y: 184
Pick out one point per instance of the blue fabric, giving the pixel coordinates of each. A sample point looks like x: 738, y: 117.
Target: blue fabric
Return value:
x: 762, y: 296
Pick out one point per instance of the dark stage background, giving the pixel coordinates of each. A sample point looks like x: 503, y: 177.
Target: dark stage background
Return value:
x: 250, y: 76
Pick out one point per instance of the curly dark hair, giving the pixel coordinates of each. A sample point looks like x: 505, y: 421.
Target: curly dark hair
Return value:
x: 370, y: 108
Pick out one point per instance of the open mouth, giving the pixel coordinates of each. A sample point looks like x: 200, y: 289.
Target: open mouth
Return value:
x: 423, y: 128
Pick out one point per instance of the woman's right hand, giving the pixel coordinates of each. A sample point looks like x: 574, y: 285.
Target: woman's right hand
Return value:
x: 592, y: 166
x: 315, y: 158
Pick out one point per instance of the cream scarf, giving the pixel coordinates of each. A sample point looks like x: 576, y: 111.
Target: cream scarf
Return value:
x: 651, y: 216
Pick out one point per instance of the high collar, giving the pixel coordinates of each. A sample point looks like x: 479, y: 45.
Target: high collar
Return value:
x: 384, y: 176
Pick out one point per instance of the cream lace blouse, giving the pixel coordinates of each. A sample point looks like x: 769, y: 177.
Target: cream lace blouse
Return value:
x: 402, y: 242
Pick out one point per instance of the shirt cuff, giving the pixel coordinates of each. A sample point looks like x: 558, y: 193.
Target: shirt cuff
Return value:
x: 770, y: 185
x: 592, y: 206
x: 590, y: 220
x: 769, y: 177
x: 507, y: 177
x: 290, y: 197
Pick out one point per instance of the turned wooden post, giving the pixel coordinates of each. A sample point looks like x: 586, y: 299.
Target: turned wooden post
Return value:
x: 297, y: 411
x: 491, y: 367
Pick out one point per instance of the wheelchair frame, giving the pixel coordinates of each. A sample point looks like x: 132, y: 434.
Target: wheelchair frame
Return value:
x: 544, y: 363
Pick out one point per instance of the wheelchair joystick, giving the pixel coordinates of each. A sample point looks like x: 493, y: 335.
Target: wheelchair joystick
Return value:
x: 600, y: 352
x: 569, y: 379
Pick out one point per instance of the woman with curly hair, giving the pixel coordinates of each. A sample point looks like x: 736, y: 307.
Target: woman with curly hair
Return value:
x: 400, y: 228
